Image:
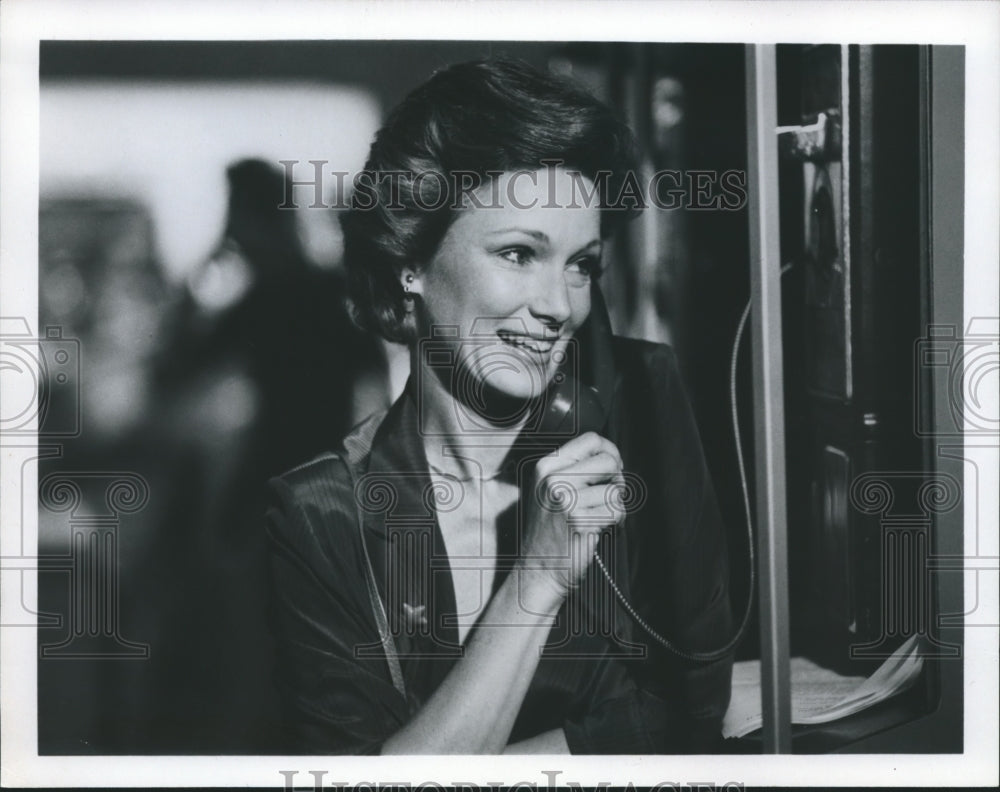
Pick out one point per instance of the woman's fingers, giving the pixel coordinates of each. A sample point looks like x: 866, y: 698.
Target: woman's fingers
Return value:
x: 601, y: 467
x: 575, y: 451
x: 583, y: 480
x: 578, y: 493
x: 583, y: 501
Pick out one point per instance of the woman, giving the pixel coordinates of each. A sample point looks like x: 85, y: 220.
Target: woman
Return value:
x: 435, y: 590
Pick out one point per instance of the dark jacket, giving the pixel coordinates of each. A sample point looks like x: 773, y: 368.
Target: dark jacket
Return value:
x: 600, y: 678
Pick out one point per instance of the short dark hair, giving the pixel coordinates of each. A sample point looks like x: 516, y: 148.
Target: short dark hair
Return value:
x: 479, y: 118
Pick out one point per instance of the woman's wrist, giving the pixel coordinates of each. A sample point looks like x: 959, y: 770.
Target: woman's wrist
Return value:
x: 538, y: 590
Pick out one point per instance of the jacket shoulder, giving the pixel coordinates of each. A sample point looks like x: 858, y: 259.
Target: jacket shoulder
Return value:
x: 354, y: 450
x: 319, y: 493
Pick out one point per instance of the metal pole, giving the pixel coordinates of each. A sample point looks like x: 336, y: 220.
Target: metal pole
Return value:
x: 769, y: 397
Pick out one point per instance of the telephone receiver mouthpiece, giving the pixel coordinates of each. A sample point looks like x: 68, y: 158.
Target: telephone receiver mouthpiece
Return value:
x: 573, y: 408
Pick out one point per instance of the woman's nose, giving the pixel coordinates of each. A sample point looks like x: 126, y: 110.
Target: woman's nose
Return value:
x: 549, y: 301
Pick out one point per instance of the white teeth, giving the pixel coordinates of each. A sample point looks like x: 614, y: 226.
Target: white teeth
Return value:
x: 526, y: 342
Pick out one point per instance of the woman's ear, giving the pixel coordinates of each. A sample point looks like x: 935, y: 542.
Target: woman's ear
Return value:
x: 410, y: 279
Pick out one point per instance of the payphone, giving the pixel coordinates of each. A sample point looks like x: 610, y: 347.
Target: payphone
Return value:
x: 849, y: 147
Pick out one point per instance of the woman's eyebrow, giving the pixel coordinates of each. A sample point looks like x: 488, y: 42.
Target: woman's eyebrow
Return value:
x: 592, y: 243
x: 541, y: 236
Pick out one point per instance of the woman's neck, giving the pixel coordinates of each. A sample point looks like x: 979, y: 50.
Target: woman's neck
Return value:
x: 457, y: 441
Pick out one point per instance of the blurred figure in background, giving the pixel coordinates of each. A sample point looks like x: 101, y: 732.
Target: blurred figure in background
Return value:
x: 259, y: 301
x: 263, y: 369
x: 204, y: 392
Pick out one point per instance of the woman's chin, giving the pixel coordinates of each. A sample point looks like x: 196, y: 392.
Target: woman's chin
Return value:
x: 505, y: 372
x: 518, y: 385
x: 502, y: 401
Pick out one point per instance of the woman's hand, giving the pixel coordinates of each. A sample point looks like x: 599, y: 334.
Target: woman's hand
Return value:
x: 577, y: 493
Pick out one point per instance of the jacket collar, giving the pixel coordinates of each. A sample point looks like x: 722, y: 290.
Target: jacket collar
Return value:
x: 398, y: 464
x: 407, y: 546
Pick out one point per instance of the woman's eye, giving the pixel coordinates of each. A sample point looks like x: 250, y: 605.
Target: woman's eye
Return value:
x: 517, y: 255
x: 585, y: 268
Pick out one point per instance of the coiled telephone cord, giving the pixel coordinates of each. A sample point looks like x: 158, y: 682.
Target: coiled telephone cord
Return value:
x: 715, y: 654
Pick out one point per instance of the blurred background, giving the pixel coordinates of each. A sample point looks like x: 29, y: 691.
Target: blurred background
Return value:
x: 215, y: 349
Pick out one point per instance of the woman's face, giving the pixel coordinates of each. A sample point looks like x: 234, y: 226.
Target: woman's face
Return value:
x: 513, y: 275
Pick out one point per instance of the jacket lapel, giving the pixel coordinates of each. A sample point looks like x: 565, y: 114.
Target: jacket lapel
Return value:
x: 406, y: 545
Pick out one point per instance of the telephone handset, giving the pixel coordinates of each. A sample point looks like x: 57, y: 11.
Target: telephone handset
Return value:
x: 580, y: 399
x: 584, y: 404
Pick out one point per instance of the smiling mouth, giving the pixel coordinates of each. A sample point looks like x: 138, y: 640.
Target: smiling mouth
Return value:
x: 539, y: 346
